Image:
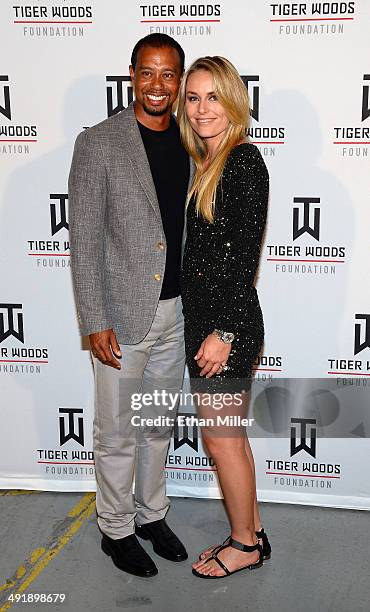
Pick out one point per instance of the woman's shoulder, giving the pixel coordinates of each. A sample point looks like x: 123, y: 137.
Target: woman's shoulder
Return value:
x: 245, y: 158
x: 245, y: 151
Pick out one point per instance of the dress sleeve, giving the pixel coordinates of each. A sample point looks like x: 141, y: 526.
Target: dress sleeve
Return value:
x: 245, y: 212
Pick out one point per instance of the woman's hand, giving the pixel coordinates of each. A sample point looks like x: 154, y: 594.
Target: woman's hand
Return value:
x: 212, y: 355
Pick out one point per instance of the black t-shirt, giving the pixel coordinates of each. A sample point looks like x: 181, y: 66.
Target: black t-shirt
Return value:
x: 169, y: 164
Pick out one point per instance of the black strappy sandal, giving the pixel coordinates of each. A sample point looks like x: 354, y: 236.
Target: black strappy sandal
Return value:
x: 261, y: 535
x: 239, y: 546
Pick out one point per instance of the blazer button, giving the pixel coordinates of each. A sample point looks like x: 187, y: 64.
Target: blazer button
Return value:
x: 160, y: 246
x: 157, y: 277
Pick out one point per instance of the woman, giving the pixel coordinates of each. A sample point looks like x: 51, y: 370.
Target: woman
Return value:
x: 226, y: 215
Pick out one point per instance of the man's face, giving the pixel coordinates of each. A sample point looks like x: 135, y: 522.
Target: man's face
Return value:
x: 156, y: 79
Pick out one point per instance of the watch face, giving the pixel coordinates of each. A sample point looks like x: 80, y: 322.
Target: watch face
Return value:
x: 228, y: 337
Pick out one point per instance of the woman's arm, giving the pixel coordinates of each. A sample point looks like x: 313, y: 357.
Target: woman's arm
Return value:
x: 239, y: 251
x: 247, y: 202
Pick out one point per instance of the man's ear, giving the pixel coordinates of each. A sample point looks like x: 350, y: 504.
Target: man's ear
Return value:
x: 131, y: 71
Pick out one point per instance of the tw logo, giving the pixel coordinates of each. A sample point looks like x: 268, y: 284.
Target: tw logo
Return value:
x: 253, y: 93
x: 5, y: 105
x: 305, y: 428
x: 56, y: 225
x: 121, y: 90
x: 365, y: 99
x: 313, y: 230
x: 11, y: 322
x: 71, y: 428
x: 363, y: 327
x: 181, y: 435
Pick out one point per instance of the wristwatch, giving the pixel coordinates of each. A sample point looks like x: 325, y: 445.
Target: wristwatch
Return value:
x: 226, y: 337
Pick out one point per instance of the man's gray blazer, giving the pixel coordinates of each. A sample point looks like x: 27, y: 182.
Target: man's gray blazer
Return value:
x: 116, y: 232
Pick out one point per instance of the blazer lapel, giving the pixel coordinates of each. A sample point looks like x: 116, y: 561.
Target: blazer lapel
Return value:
x: 139, y: 158
x: 136, y: 149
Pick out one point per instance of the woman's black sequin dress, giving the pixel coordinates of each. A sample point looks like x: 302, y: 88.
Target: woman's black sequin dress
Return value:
x: 219, y: 266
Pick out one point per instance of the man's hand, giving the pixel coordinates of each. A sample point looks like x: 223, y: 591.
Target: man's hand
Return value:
x: 212, y: 356
x: 104, y: 346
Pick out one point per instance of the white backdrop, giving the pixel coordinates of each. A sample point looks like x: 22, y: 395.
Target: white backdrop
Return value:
x: 307, y: 68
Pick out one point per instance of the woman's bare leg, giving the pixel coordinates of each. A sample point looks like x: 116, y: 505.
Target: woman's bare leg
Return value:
x: 256, y: 514
x: 237, y: 482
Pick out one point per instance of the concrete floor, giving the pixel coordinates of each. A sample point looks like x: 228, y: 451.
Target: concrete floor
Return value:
x: 320, y: 560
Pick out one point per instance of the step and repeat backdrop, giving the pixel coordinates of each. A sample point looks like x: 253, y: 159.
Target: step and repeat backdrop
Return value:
x: 64, y: 67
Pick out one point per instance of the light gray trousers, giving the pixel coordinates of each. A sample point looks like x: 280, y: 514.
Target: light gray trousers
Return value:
x: 123, y: 451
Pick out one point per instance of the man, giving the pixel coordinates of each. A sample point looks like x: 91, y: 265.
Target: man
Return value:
x: 127, y: 191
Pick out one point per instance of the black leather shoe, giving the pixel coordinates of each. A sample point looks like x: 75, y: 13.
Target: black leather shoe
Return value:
x: 129, y: 556
x: 165, y: 543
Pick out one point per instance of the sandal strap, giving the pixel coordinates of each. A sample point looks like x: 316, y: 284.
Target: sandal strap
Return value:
x: 217, y: 548
x: 222, y: 566
x: 244, y: 547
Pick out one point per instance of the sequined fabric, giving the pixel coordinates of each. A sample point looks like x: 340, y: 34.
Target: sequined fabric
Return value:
x: 219, y: 267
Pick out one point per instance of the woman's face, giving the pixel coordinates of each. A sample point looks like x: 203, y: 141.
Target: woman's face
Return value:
x: 206, y: 115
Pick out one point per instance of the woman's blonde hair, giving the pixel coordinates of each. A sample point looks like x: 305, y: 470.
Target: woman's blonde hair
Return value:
x: 232, y: 94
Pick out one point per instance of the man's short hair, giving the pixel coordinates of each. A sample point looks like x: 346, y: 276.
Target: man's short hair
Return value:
x: 158, y: 40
